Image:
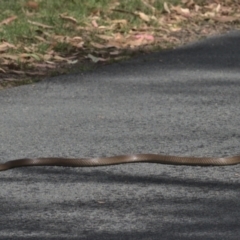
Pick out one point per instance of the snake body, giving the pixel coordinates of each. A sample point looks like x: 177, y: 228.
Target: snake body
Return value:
x: 134, y: 158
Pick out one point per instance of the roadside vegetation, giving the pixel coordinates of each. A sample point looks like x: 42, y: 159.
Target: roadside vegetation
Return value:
x: 51, y: 37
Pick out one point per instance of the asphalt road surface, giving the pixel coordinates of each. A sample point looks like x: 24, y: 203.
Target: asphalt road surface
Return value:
x: 182, y: 102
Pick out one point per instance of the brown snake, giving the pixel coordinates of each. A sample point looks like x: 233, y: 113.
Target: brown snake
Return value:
x: 104, y: 161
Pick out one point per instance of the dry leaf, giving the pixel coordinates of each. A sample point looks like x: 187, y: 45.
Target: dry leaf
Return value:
x: 148, y: 37
x: 104, y: 27
x: 188, y: 3
x: 166, y: 8
x: 58, y: 58
x: 175, y: 28
x: 135, y: 43
x: 140, y: 40
x: 9, y: 56
x: 218, y: 8
x: 5, y: 46
x: 185, y: 11
x: 197, y: 8
x: 35, y: 56
x: 35, y: 73
x: 210, y: 6
x: 50, y: 62
x: 8, y: 20
x: 71, y: 19
x: 41, y: 39
x: 225, y: 19
x: 60, y: 38
x: 2, y: 70
x: 181, y: 11
x: 40, y: 25
x: 76, y: 42
x: 209, y: 14
x: 105, y: 37
x: 97, y: 45
x: 121, y: 21
x: 72, y: 62
x: 149, y: 6
x: 94, y: 23
x: 114, y: 53
x: 95, y: 59
x: 143, y: 16
x: 30, y: 49
x: 17, y: 72
x: 32, y: 5
x: 44, y: 65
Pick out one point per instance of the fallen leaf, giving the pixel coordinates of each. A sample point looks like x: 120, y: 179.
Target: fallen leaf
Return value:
x: 37, y: 57
x: 8, y: 20
x: 153, y: 9
x: 95, y: 59
x: 9, y: 56
x: 94, y: 23
x: 32, y: 5
x: 166, y: 8
x: 147, y: 37
x: 51, y: 63
x: 105, y: 37
x: 17, y: 72
x: 211, y: 6
x: 225, y: 19
x: 44, y: 65
x: 188, y: 3
x: 29, y: 49
x: 72, y: 61
x: 60, y: 38
x: 71, y: 19
x: 175, y: 28
x: 35, y: 73
x: 181, y: 11
x: 209, y: 14
x: 218, y: 8
x: 41, y: 39
x: 143, y: 16
x: 2, y: 70
x: 121, y: 21
x: 76, y: 42
x: 58, y: 58
x: 140, y: 40
x: 104, y: 27
x: 40, y: 25
x: 136, y: 43
x: 114, y: 53
x: 185, y: 11
x: 98, y: 45
x: 10, y: 79
x: 5, y: 46
x: 197, y: 8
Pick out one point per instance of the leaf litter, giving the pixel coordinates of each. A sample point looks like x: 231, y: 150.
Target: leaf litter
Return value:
x: 109, y: 34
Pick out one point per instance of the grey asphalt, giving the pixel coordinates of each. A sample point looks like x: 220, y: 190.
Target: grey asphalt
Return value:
x: 178, y: 102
